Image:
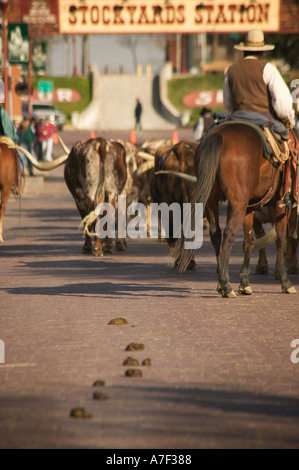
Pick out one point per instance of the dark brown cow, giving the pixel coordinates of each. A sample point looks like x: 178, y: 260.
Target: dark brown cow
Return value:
x: 145, y: 170
x: 10, y: 176
x: 96, y: 171
x: 169, y: 188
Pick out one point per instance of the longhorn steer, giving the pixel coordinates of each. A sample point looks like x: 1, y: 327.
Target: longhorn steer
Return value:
x: 97, y: 171
x: 169, y: 188
x: 10, y: 177
x: 145, y: 171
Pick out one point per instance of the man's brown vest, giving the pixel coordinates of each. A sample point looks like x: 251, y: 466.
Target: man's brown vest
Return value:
x: 247, y: 87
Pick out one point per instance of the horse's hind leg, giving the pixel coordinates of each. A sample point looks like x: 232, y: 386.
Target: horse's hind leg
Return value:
x: 1, y: 220
x: 262, y: 264
x: 212, y: 212
x: 244, y: 287
x: 292, y: 243
x: 5, y: 194
x: 235, y: 218
x: 281, y: 244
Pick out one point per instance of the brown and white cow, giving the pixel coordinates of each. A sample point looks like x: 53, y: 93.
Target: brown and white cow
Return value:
x: 98, y: 171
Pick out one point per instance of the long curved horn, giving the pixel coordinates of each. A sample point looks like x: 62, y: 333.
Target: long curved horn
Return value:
x: 42, y: 166
x: 145, y: 155
x: 129, y: 156
x: 184, y: 176
x: 65, y: 148
x: 143, y: 169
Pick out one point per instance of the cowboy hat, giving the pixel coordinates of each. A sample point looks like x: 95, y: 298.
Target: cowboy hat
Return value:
x: 254, y: 41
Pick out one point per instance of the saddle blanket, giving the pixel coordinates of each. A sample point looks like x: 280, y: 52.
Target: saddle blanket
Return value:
x: 274, y: 134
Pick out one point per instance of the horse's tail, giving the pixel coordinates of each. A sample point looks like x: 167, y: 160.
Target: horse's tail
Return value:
x: 209, y: 153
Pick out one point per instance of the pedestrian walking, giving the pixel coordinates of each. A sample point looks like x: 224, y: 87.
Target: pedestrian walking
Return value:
x: 138, y: 112
x: 48, y: 146
x: 41, y: 137
x: 28, y: 142
x: 205, y: 121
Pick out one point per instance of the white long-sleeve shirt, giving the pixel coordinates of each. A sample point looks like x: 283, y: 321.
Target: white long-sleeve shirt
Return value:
x: 281, y: 97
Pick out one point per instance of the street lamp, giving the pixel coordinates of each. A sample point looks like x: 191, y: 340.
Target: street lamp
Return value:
x: 3, y: 6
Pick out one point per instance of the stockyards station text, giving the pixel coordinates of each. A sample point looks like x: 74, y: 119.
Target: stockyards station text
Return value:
x: 149, y: 459
x: 157, y: 16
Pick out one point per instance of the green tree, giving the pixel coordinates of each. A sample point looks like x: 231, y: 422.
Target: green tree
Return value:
x: 286, y: 47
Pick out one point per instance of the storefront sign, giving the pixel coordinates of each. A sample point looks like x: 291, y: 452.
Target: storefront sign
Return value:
x: 45, y: 90
x: 18, y: 43
x: 158, y: 16
x: 60, y: 94
x: 39, y: 57
x: 41, y: 16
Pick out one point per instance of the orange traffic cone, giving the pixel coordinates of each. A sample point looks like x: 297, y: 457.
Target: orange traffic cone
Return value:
x: 133, y: 139
x: 92, y: 135
x: 55, y: 139
x: 175, y: 137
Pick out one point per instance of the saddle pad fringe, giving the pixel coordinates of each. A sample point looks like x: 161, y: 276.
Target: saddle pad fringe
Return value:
x: 278, y: 156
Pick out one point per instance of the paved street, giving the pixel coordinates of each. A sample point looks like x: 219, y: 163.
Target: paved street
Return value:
x: 221, y: 374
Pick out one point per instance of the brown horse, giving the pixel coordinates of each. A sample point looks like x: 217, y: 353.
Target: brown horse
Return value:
x: 10, y: 178
x: 230, y: 165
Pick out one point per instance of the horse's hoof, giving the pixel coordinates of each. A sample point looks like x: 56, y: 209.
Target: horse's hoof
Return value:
x: 225, y: 294
x: 261, y: 269
x: 245, y: 290
x: 290, y: 290
x: 230, y: 295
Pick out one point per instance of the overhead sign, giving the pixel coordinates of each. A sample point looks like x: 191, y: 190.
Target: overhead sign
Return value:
x: 198, y: 99
x: 159, y: 16
x: 18, y: 43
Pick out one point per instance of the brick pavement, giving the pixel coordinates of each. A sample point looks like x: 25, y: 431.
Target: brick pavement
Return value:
x: 221, y: 374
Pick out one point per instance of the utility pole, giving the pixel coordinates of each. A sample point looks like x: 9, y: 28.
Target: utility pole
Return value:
x: 3, y: 6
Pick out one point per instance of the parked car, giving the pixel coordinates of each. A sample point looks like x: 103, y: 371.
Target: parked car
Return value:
x: 42, y: 110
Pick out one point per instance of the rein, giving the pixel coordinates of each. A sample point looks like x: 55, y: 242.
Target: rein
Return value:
x: 270, y: 193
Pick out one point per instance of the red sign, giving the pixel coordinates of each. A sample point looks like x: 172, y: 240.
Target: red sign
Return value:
x: 197, y: 99
x: 60, y: 94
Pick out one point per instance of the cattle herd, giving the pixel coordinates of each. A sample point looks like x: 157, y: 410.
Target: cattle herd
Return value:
x: 99, y: 170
